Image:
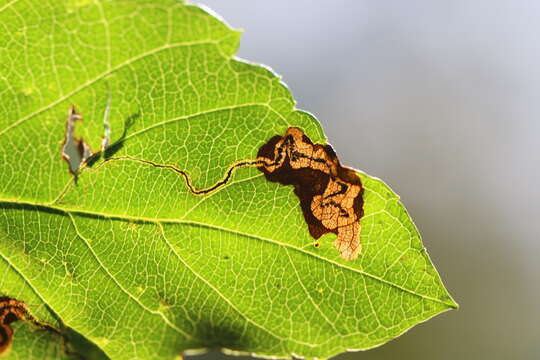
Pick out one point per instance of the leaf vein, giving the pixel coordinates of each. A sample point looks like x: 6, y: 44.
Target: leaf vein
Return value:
x: 103, y: 75
x: 213, y: 288
x: 117, y: 283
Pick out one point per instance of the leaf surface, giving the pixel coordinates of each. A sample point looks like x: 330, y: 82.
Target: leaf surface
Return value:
x: 125, y: 255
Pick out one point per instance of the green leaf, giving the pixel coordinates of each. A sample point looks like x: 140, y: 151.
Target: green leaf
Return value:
x: 34, y: 343
x: 124, y: 254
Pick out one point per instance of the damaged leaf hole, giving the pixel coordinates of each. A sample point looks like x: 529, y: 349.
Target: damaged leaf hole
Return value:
x: 330, y: 194
x: 76, y: 152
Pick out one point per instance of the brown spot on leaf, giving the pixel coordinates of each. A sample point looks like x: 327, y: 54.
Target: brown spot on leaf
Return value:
x: 11, y: 310
x: 330, y: 194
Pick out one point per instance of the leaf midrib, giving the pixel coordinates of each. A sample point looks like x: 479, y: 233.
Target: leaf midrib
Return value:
x: 145, y: 219
x: 165, y: 319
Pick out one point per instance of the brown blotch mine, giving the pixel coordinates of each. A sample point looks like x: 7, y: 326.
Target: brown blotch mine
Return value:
x: 11, y: 310
x: 330, y: 194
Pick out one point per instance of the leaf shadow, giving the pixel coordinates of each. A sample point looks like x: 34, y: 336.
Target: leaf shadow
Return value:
x: 209, y: 332
x: 217, y: 336
x: 118, y: 144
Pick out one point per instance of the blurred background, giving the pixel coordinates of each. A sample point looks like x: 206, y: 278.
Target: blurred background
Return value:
x: 441, y: 99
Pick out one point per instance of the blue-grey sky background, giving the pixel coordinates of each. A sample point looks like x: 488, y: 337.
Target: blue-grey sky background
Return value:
x: 441, y: 99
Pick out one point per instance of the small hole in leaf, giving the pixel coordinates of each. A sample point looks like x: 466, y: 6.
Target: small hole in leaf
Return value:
x: 74, y: 150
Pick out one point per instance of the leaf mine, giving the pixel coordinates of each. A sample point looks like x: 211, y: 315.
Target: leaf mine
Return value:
x: 140, y: 260
x: 12, y: 310
x: 330, y: 194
